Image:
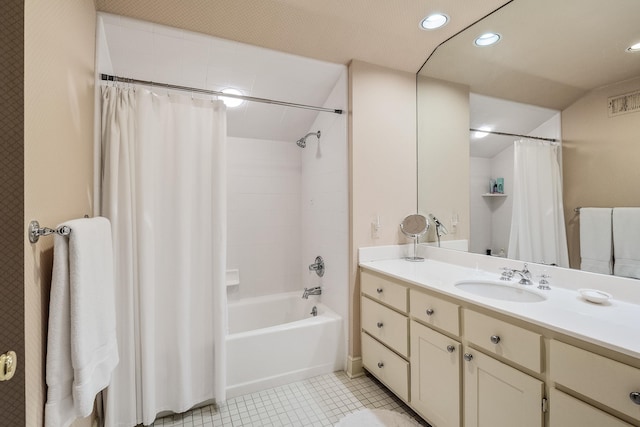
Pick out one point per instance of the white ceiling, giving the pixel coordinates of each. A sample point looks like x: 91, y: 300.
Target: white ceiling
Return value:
x: 551, y: 53
x: 503, y: 116
x: 141, y: 50
x: 382, y: 32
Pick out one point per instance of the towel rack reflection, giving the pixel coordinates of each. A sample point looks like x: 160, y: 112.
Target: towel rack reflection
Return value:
x: 35, y: 231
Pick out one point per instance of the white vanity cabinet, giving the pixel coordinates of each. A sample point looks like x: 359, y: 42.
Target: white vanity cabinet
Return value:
x: 385, y: 331
x: 435, y: 376
x: 458, y: 364
x: 496, y: 394
x: 609, y: 382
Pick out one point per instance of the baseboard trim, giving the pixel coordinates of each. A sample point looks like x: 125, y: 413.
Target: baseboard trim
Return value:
x: 354, y: 367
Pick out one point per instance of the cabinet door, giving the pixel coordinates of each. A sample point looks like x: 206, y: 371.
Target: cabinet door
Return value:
x: 498, y: 395
x: 565, y: 411
x: 435, y: 376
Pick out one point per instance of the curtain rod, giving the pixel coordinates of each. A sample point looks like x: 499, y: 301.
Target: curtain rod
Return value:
x: 110, y: 78
x: 514, y: 134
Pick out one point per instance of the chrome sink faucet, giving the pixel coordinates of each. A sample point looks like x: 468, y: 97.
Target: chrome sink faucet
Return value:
x: 311, y: 291
x: 525, y: 275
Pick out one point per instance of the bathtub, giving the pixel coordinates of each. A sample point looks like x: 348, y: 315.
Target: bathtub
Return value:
x: 274, y: 340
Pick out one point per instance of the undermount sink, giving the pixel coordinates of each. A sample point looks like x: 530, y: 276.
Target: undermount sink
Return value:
x: 505, y: 292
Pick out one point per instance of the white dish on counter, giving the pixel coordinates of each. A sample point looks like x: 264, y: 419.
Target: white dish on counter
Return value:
x: 595, y: 296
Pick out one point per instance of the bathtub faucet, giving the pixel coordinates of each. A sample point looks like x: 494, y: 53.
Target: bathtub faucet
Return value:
x: 313, y: 291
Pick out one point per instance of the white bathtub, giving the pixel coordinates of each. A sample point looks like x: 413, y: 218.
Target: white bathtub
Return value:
x: 274, y: 340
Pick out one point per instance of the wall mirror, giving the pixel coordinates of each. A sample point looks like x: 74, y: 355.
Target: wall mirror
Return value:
x: 560, y: 71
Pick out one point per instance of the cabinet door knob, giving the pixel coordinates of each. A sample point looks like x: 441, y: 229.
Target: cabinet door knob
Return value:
x: 451, y: 348
x: 635, y: 397
x: 380, y: 365
x: 379, y: 324
x: 468, y: 357
x: 379, y: 290
x: 430, y: 311
x: 495, y: 339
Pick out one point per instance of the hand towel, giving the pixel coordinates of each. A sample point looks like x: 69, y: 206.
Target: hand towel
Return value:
x: 596, y: 240
x: 81, y: 349
x: 626, y: 242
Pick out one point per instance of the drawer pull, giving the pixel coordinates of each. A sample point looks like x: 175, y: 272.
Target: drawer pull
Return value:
x: 379, y: 290
x: 379, y: 324
x: 495, y: 339
x: 430, y: 311
x: 380, y: 365
x: 450, y: 348
x: 468, y: 357
x: 635, y: 397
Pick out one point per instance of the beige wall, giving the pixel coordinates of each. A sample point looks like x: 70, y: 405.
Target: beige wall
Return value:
x: 600, y: 158
x: 58, y: 166
x: 382, y: 141
x: 443, y: 154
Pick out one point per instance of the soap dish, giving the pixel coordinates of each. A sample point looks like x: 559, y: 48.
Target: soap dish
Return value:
x: 594, y: 295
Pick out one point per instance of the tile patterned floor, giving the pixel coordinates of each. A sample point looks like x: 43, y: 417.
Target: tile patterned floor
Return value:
x: 320, y: 401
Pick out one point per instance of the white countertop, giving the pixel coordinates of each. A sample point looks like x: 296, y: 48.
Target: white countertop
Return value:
x: 614, y: 325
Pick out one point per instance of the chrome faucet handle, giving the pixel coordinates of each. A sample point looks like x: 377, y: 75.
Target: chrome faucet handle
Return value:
x: 507, y: 273
x: 544, y: 284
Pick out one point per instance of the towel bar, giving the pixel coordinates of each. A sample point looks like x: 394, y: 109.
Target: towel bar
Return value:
x: 35, y: 231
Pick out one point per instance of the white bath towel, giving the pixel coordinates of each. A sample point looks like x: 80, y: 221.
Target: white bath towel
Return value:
x: 596, y: 240
x: 626, y: 242
x: 81, y: 349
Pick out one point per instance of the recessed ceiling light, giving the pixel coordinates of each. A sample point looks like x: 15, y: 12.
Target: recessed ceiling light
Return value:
x: 479, y: 134
x: 487, y: 39
x: 231, y: 102
x: 433, y: 21
x: 634, y: 47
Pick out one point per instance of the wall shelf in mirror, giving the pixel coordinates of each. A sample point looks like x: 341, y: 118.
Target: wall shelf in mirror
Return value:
x: 494, y: 195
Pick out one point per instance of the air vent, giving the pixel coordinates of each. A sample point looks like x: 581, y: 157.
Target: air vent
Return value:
x: 623, y: 104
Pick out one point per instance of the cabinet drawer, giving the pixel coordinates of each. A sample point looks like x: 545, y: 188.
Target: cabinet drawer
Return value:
x: 504, y: 339
x: 566, y: 411
x: 386, y: 325
x: 384, y: 290
x: 387, y: 366
x: 600, y: 378
x: 434, y: 311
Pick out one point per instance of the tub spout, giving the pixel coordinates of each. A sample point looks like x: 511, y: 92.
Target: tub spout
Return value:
x: 314, y: 311
x: 312, y: 291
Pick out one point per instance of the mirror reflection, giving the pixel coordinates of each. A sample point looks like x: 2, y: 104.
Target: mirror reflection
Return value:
x: 555, y: 108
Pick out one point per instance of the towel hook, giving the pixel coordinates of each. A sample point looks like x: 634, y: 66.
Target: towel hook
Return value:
x: 35, y: 231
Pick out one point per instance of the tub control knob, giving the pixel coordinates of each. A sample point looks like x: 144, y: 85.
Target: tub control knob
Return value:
x: 379, y: 290
x: 451, y: 348
x: 430, y: 312
x: 468, y: 357
x: 380, y: 365
x: 635, y: 397
x: 379, y: 324
x: 495, y: 339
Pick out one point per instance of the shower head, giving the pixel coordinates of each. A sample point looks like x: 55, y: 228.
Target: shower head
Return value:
x: 302, y: 142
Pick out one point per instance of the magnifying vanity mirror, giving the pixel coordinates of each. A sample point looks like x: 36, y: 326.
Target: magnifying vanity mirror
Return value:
x: 561, y: 75
x: 414, y: 226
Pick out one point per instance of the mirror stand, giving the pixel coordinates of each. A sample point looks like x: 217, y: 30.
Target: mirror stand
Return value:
x: 414, y: 226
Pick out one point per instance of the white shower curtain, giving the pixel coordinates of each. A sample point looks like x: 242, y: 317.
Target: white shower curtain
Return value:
x: 537, y: 224
x: 164, y: 190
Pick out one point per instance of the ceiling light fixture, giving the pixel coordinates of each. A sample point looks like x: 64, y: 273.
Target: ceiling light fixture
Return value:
x: 487, y: 39
x: 479, y: 135
x: 433, y: 21
x: 231, y: 102
x: 634, y: 47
